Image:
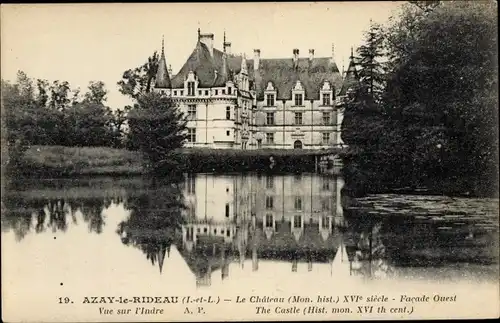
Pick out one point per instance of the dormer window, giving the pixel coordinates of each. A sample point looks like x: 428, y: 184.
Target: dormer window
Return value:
x: 270, y: 95
x: 298, y: 94
x: 190, y: 88
x: 327, y: 94
x: 270, y: 99
x: 299, y: 99
x: 326, y: 99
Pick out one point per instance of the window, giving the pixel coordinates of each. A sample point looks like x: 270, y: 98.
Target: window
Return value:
x: 270, y: 118
x: 199, y: 92
x: 228, y: 233
x: 326, y: 98
x: 298, y: 118
x: 326, y: 138
x: 298, y: 203
x: 192, y: 135
x: 269, y: 220
x: 298, y: 99
x: 223, y: 91
x: 228, y: 133
x: 324, y: 222
x: 326, y: 185
x: 269, y: 137
x: 192, y: 112
x: 182, y: 92
x: 205, y: 230
x: 206, y: 92
x: 269, y: 182
x: 191, y: 185
x: 297, y: 221
x: 198, y: 230
x: 270, y: 100
x: 190, y: 88
x: 228, y: 113
x: 326, y: 117
x: 175, y: 92
x: 325, y: 205
x: 227, y: 210
x: 298, y: 177
x: 216, y: 92
x: 269, y: 202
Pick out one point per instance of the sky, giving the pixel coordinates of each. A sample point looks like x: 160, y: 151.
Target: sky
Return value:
x: 80, y: 43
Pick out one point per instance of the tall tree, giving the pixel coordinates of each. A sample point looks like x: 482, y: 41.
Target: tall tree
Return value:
x: 158, y: 127
x: 138, y: 81
x: 365, y: 99
x: 371, y: 70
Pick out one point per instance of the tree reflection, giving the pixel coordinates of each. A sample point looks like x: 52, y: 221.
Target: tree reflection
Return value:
x: 368, y: 251
x: 155, y: 219
x: 17, y: 215
x: 22, y: 212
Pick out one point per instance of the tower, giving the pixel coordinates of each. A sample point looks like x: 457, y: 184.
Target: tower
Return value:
x: 163, y: 84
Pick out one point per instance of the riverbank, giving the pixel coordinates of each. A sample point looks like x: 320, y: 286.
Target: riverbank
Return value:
x: 58, y: 161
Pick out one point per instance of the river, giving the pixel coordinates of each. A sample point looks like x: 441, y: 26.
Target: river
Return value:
x: 262, y: 234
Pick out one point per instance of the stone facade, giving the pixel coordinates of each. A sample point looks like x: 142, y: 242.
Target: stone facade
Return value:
x: 239, y: 103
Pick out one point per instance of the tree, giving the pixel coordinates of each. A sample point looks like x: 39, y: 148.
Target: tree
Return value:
x: 157, y: 127
x: 138, y: 81
x: 371, y: 70
x: 96, y: 93
x: 443, y: 93
x: 43, y: 113
x: 363, y: 123
x: 18, y: 105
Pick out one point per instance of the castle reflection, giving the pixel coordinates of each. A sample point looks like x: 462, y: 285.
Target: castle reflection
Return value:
x: 288, y: 218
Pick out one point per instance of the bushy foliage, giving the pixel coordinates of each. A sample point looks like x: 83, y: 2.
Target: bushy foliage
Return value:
x: 54, y: 114
x: 157, y: 127
x: 436, y: 123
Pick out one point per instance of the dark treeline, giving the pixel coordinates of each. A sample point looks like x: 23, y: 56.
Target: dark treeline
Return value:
x: 424, y: 113
x: 43, y: 113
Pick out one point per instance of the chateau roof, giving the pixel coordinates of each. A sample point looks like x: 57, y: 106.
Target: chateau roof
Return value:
x: 351, y: 77
x: 280, y: 71
x: 162, y: 78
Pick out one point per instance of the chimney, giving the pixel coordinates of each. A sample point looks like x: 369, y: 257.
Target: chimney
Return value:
x: 226, y: 45
x: 256, y: 59
x: 296, y: 57
x: 311, y: 54
x: 227, y: 48
x: 208, y: 40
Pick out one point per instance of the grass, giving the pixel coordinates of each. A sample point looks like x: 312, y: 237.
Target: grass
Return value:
x: 57, y: 161
x: 81, y: 160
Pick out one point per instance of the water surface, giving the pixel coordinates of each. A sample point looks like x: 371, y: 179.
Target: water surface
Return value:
x: 262, y: 234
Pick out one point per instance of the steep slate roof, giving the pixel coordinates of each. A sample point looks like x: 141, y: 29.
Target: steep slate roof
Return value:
x: 280, y: 71
x: 162, y: 77
x: 284, y: 76
x: 201, y: 63
x: 351, y: 77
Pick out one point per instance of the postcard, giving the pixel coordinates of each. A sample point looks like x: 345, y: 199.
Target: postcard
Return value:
x: 249, y: 161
